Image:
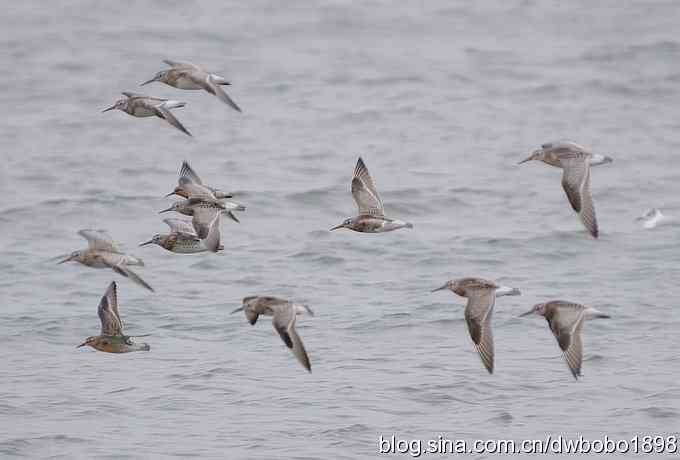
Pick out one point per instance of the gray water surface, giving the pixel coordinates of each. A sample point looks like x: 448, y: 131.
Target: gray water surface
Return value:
x: 442, y: 99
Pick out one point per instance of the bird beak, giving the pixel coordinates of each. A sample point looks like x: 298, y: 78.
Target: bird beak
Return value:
x: 67, y: 259
x: 146, y: 242
x: 336, y: 227
x: 165, y: 210
x: 238, y: 309
x: 524, y: 161
x: 110, y: 108
x: 526, y: 313
x: 82, y: 344
x: 440, y: 288
x: 170, y: 194
x: 148, y: 81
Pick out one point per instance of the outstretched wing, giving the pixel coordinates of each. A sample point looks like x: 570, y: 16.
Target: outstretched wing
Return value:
x: 213, y: 87
x: 284, y: 323
x: 163, y: 112
x: 108, y: 312
x: 566, y: 322
x: 478, y: 313
x: 132, y: 95
x: 181, y: 226
x: 212, y: 240
x: 203, y: 217
x: 188, y: 173
x: 180, y: 64
x: 576, y: 184
x: 364, y: 192
x: 99, y: 240
x: 114, y: 263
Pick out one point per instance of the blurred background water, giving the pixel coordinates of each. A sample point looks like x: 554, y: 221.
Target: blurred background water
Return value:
x: 442, y: 99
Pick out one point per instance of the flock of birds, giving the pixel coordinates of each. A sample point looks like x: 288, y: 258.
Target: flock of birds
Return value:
x: 205, y: 205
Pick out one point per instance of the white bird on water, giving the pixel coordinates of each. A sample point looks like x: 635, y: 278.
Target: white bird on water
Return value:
x: 653, y: 218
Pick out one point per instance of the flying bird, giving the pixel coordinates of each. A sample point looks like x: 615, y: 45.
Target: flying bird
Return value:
x: 283, y: 315
x: 182, y: 238
x: 111, y: 339
x: 205, y: 219
x: 371, y: 218
x: 481, y: 295
x: 142, y: 106
x: 185, y: 75
x: 102, y: 252
x: 575, y: 162
x: 565, y: 320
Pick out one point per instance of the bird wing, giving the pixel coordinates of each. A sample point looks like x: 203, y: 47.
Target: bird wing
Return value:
x: 566, y: 323
x: 284, y: 323
x: 180, y: 64
x: 189, y: 174
x: 99, y: 240
x: 364, y: 192
x: 108, y: 312
x: 211, y: 86
x: 478, y: 313
x: 163, y: 112
x: 181, y: 226
x: 576, y: 184
x: 203, y: 217
x: 131, y: 95
x: 114, y: 263
x: 212, y: 240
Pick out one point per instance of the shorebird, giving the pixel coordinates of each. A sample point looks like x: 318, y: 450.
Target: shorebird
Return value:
x: 111, y: 338
x: 102, y: 252
x: 142, y: 106
x: 205, y: 219
x: 575, y: 162
x: 284, y: 314
x: 182, y: 238
x: 481, y: 295
x: 371, y: 218
x: 185, y: 75
x: 565, y: 320
x: 652, y: 218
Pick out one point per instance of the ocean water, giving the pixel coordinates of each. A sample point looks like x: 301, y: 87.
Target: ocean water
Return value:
x: 442, y: 99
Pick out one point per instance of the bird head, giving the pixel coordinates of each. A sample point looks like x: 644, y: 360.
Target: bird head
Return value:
x: 347, y: 223
x: 156, y: 239
x: 75, y: 255
x: 119, y: 105
x: 538, y: 154
x: 538, y: 309
x: 160, y: 76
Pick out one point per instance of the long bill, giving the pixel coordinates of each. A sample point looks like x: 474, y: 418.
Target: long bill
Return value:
x: 148, y: 81
x: 165, y: 210
x: 526, y: 313
x: 241, y: 308
x: 440, y: 288
x: 524, y: 161
x: 82, y: 344
x: 145, y: 243
x: 336, y: 227
x: 110, y: 108
x: 67, y: 259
